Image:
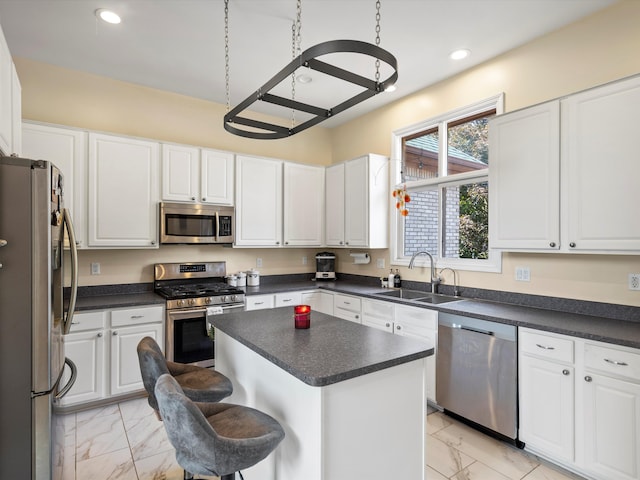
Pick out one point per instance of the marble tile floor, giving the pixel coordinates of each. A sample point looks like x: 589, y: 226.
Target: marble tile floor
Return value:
x: 126, y: 441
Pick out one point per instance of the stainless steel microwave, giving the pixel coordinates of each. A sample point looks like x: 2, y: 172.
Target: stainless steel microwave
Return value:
x: 196, y: 223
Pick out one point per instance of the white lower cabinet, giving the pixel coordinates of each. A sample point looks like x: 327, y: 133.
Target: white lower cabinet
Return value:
x: 319, y: 301
x: 288, y: 299
x: 103, y: 346
x: 418, y: 323
x: 347, y: 307
x: 259, y: 302
x: 580, y: 404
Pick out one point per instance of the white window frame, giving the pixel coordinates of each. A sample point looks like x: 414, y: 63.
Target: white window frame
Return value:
x: 494, y: 262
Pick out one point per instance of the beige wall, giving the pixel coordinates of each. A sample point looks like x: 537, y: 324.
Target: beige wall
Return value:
x: 600, y: 48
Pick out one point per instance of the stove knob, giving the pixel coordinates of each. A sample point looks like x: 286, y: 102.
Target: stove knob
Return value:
x: 180, y: 303
x: 236, y: 298
x: 208, y: 300
x: 225, y: 299
x: 192, y: 301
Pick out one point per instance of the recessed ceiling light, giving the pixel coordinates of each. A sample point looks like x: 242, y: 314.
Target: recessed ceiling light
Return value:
x: 108, y: 16
x: 459, y: 54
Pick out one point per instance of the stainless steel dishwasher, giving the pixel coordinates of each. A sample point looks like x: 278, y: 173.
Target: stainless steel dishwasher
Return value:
x: 477, y: 372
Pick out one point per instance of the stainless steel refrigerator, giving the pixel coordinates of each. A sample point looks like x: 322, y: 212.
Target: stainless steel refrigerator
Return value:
x: 33, y: 316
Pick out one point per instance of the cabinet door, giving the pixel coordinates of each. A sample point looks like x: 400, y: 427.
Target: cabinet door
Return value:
x: 180, y: 173
x: 334, y: 205
x: 612, y: 427
x: 524, y: 179
x: 546, y: 392
x: 421, y: 324
x: 319, y: 301
x: 16, y: 112
x: 66, y: 148
x: 258, y: 202
x: 125, y: 366
x: 303, y: 204
x: 378, y: 315
x: 356, y: 195
x: 6, y: 114
x: 216, y: 177
x: 87, y: 350
x: 123, y: 192
x: 601, y: 167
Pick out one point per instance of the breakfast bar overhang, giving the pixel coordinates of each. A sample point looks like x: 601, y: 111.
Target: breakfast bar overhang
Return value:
x: 350, y: 398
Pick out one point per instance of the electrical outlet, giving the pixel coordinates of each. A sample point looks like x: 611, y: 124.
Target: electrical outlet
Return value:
x: 258, y: 262
x: 380, y: 263
x: 95, y: 268
x: 634, y: 281
x: 304, y: 260
x: 523, y: 274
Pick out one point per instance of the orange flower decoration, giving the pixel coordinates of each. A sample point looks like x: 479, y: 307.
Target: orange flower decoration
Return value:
x: 402, y: 197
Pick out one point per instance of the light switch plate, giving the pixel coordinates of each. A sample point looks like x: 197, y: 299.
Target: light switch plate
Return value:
x: 523, y: 274
x: 95, y: 268
x: 634, y: 281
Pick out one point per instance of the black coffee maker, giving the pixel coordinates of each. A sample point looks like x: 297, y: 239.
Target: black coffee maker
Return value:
x: 325, y: 266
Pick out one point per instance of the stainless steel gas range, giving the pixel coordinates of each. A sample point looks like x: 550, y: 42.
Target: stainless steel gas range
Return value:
x: 194, y: 292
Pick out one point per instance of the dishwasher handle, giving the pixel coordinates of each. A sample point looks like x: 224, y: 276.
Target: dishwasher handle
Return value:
x: 475, y: 330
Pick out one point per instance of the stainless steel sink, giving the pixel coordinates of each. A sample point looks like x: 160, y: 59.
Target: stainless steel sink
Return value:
x: 423, y: 297
x: 405, y: 294
x: 435, y: 299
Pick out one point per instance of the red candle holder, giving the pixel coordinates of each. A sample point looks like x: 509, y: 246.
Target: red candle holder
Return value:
x: 302, y: 316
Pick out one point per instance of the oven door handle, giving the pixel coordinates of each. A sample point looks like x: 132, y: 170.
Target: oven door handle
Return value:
x: 181, y: 314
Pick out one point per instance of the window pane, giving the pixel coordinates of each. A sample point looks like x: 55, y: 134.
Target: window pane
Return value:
x: 466, y: 222
x: 468, y: 146
x: 421, y: 156
x: 421, y: 225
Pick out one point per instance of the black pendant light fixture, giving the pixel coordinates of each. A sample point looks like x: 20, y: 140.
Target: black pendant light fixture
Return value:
x: 240, y: 125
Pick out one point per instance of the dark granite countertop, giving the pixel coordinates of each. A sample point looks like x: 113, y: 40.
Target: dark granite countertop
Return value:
x: 331, y: 351
x: 102, y: 297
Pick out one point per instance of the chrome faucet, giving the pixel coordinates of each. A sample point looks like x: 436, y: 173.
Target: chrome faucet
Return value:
x: 456, y: 288
x: 435, y: 280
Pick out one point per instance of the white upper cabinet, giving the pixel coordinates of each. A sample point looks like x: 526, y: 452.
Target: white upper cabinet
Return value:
x: 191, y: 174
x: 258, y: 202
x: 10, y: 102
x: 303, y: 204
x: 601, y: 167
x: 564, y: 174
x: 524, y: 178
x: 67, y: 149
x: 123, y: 192
x: 361, y: 201
x: 217, y: 177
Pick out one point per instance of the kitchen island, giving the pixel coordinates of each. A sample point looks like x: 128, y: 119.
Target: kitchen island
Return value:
x: 350, y: 398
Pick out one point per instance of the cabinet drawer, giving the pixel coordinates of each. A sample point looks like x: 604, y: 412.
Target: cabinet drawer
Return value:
x: 619, y: 362
x: 286, y: 299
x: 258, y: 302
x: 546, y: 346
x: 347, y: 315
x: 88, y: 321
x: 132, y: 316
x: 346, y: 302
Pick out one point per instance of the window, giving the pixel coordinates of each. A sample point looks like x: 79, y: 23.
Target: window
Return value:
x: 444, y: 165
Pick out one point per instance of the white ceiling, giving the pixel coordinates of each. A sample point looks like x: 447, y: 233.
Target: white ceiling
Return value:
x: 178, y: 45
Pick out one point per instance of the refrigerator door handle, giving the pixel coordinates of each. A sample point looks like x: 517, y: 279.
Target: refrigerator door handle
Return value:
x: 73, y: 248
x: 74, y: 374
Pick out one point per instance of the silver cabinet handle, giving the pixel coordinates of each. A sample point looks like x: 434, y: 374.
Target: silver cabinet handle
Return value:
x: 387, y: 324
x: 193, y: 198
x: 3, y: 243
x: 398, y: 327
x: 204, y: 199
x: 153, y: 242
x: 572, y: 244
x: 552, y: 244
x: 357, y: 316
x: 565, y: 372
x: 114, y: 333
x: 75, y: 323
x: 615, y: 362
x: 259, y: 303
x: 99, y: 335
x: 137, y: 316
x: 588, y: 378
x: 287, y: 299
x: 545, y: 347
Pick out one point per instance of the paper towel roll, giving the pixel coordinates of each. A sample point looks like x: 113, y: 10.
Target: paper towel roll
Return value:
x: 360, y: 258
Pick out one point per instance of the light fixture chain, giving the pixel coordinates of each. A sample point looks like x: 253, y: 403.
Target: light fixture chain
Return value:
x: 377, y: 39
x: 226, y: 53
x: 296, y: 41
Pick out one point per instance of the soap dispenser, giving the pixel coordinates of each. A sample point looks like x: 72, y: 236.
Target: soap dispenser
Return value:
x: 396, y: 279
x: 391, y: 280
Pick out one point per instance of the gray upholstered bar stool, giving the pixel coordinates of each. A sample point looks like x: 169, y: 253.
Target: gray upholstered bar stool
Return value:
x: 198, y: 383
x: 214, y: 438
